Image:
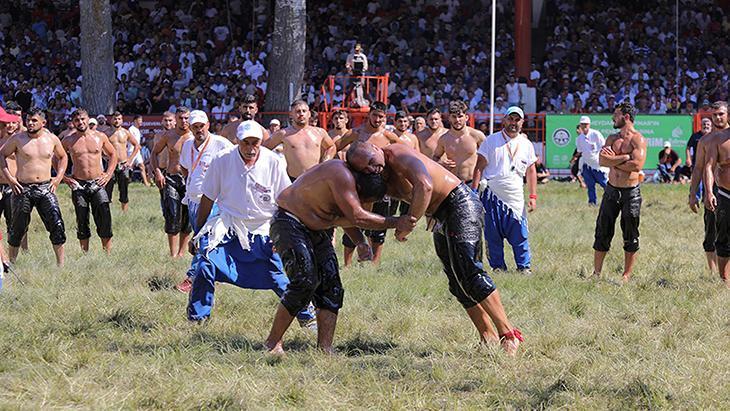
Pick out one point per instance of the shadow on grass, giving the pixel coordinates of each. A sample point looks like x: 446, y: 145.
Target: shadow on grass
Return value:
x: 127, y: 320
x: 160, y: 283
x: 361, y: 345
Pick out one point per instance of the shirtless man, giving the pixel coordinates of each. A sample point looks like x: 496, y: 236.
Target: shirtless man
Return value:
x: 428, y: 138
x: 32, y: 185
x: 625, y: 154
x: 401, y: 130
x: 339, y: 129
x: 172, y: 182
x: 168, y: 123
x: 304, y: 146
x: 719, y: 123
x: 119, y: 139
x: 248, y: 107
x: 326, y: 196
x: 11, y: 123
x: 371, y: 131
x: 68, y: 130
x: 717, y: 170
x: 460, y: 144
x: 433, y: 191
x: 88, y: 179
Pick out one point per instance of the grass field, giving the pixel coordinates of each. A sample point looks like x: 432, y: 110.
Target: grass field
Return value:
x: 109, y: 332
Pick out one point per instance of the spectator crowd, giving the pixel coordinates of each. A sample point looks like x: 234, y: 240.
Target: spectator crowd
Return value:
x: 206, y: 55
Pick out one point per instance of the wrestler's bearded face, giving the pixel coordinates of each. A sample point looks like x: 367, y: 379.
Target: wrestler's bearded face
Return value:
x: 248, y: 111
x: 35, y: 123
x: 458, y: 120
x: 368, y: 162
x: 301, y: 114
x: 168, y: 122
x: 81, y: 122
x: 377, y: 118
x: 402, y: 124
x: 12, y: 127
x: 618, y: 119
x: 719, y: 118
x: 434, y: 121
x: 183, y: 121
x: 116, y: 121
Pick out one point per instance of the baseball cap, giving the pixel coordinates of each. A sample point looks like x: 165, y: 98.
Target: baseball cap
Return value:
x: 667, y: 144
x: 515, y: 110
x: 249, y: 128
x: 93, y: 121
x: 585, y: 120
x: 275, y: 121
x: 198, y: 116
x: 7, y: 118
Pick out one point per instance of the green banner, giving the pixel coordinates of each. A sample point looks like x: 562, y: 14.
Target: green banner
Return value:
x: 560, y: 135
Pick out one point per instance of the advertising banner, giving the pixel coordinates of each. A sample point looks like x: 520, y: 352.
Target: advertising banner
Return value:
x: 560, y: 135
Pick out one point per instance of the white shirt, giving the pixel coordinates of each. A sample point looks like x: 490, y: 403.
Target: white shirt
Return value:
x: 507, y: 162
x: 246, y: 196
x: 189, y: 155
x: 590, y: 148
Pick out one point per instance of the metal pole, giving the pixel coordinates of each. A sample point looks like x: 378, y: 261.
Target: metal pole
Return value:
x: 491, y: 70
x: 676, y: 46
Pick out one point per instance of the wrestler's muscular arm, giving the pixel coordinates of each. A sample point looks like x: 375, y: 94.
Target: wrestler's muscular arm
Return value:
x: 393, y: 138
x: 607, y: 157
x: 160, y: 145
x: 60, y: 167
x: 637, y: 157
x: 697, y: 171
x: 347, y: 139
x: 275, y: 140
x: 108, y: 149
x: 8, y: 150
x: 347, y: 200
x: 477, y: 176
x: 328, y: 147
x: 413, y: 170
x: 708, y: 177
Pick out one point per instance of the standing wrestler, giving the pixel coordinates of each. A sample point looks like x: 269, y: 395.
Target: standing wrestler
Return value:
x: 172, y: 182
x: 625, y: 154
x: 11, y: 123
x: 168, y: 123
x: 371, y: 131
x: 122, y: 174
x: 433, y: 191
x: 339, y: 128
x: 428, y: 138
x: 505, y: 160
x: 304, y: 146
x: 718, y: 124
x: 326, y: 196
x: 248, y: 107
x: 88, y: 179
x: 460, y: 144
x: 402, y: 123
x: 32, y: 185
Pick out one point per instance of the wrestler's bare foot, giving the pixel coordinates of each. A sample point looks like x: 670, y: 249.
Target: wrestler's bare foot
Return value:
x: 277, y: 349
x: 625, y: 278
x: 125, y: 207
x: 511, y: 342
x: 595, y: 276
x: 327, y: 350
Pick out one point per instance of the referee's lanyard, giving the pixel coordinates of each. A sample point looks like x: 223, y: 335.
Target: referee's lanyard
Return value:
x: 200, y: 154
x: 510, y: 151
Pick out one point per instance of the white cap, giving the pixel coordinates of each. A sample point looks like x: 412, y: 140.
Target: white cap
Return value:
x: 249, y: 128
x: 517, y: 110
x: 198, y: 116
x: 585, y: 120
x: 275, y: 121
x: 93, y: 121
x: 667, y: 144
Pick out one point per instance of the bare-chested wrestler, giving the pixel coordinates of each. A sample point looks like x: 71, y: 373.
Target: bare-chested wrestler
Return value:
x: 168, y: 123
x: 625, y: 154
x: 88, y: 180
x: 428, y: 138
x: 718, y: 123
x: 326, y: 196
x: 402, y: 123
x: 339, y: 129
x: 304, y: 146
x: 248, y: 107
x: 460, y: 144
x: 433, y: 191
x: 122, y: 174
x: 32, y: 184
x: 70, y: 129
x: 717, y: 172
x: 371, y: 131
x: 172, y: 182
x: 11, y: 123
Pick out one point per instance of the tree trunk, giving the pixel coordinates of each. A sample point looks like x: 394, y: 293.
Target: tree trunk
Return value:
x: 286, y: 61
x: 97, y: 56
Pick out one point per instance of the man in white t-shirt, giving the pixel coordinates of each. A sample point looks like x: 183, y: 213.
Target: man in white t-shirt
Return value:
x: 234, y: 246
x: 138, y: 160
x: 196, y: 155
x: 504, y: 159
x: 589, y: 144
